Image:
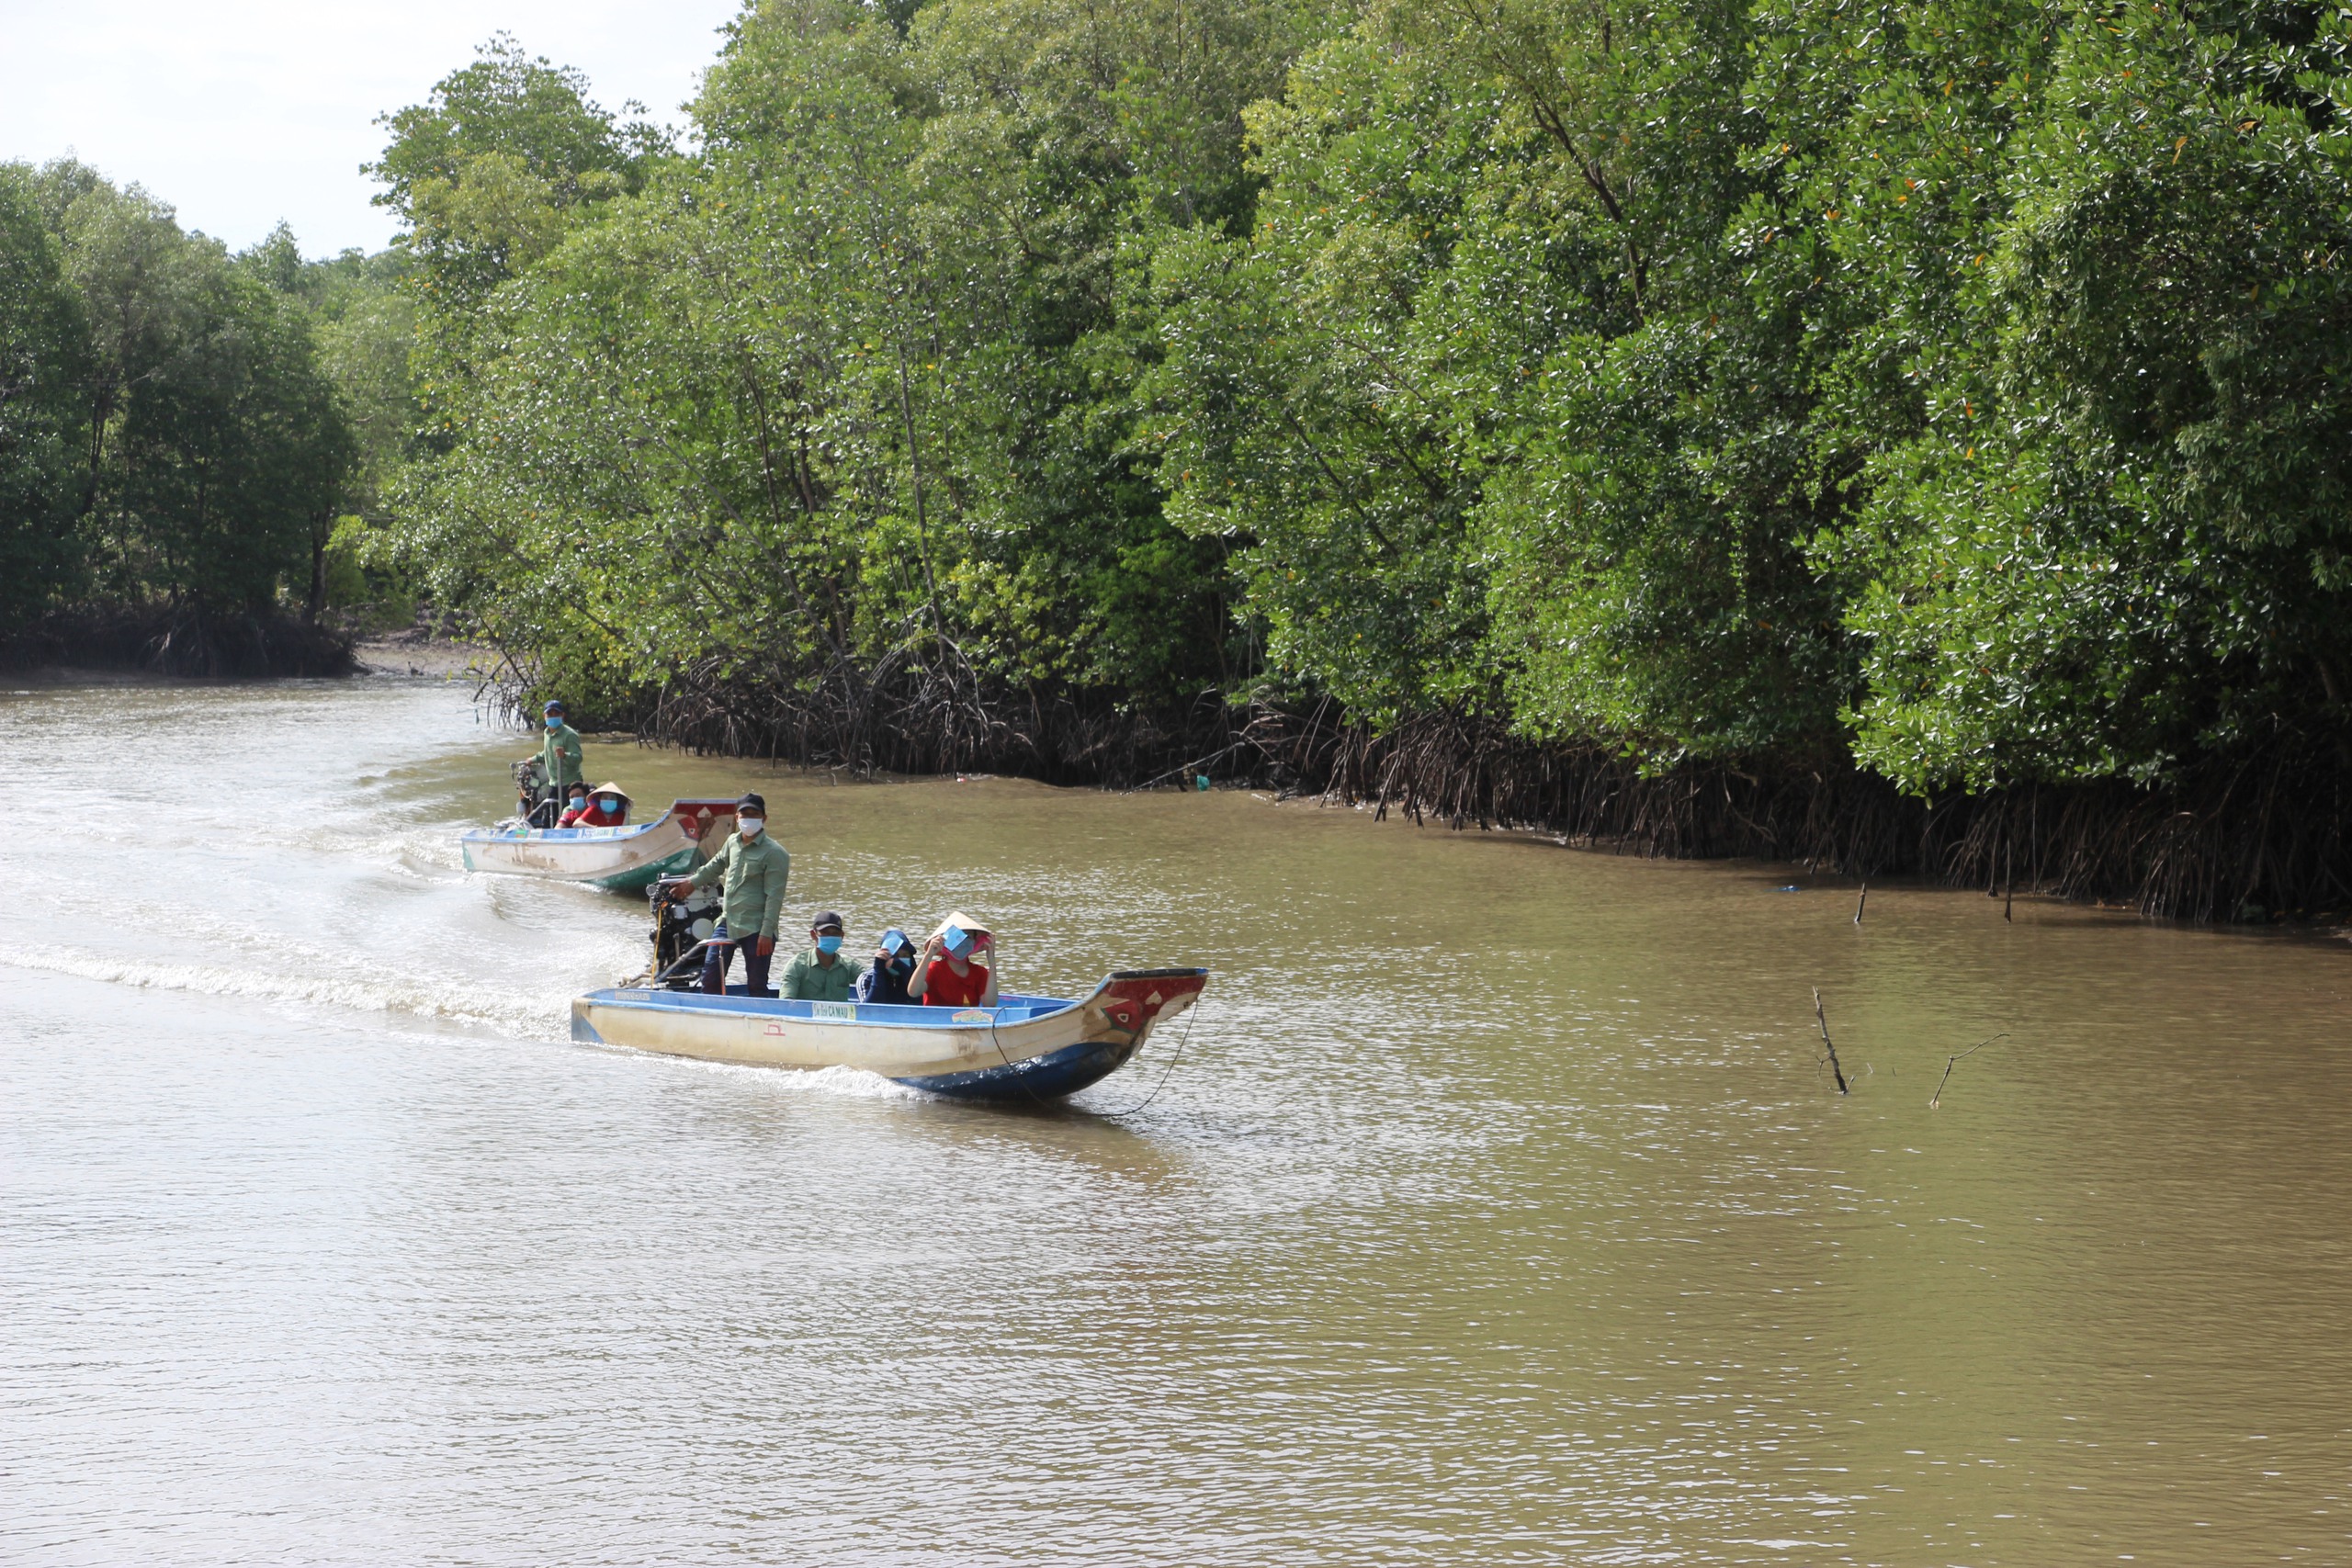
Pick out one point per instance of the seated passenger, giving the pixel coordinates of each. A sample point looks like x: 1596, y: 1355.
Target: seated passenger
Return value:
x: 607, y: 807
x: 821, y: 973
x: 575, y: 803
x: 945, y: 975
x: 894, y: 965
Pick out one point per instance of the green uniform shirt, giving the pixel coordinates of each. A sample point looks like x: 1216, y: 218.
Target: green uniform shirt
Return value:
x: 560, y: 756
x: 811, y: 981
x: 755, y: 875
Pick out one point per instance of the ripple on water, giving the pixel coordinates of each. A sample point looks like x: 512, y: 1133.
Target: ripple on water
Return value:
x: 1498, y: 1209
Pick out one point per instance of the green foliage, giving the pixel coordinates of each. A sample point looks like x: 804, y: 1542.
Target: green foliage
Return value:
x: 166, y: 433
x: 489, y: 170
x: 44, y: 360
x: 854, y: 386
x: 1953, y: 386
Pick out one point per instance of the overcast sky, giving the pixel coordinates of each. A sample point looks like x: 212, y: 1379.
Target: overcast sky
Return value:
x: 243, y: 112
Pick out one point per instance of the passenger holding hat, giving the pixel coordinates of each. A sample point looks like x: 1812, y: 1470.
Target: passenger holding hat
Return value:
x: 945, y: 976
x: 894, y: 965
x: 820, y: 973
x: 753, y: 869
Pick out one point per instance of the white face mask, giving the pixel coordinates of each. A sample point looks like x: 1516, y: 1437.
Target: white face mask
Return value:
x: 750, y: 826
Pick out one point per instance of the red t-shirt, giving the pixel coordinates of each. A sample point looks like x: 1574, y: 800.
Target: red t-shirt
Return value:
x: 943, y: 987
x: 592, y: 816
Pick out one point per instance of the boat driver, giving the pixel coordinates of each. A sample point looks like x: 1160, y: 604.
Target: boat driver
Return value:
x: 820, y: 974
x: 753, y: 869
x: 559, y: 759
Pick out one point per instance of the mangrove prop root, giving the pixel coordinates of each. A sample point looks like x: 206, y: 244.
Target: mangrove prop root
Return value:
x: 1951, y: 1062
x: 2272, y: 830
x: 1828, y: 1044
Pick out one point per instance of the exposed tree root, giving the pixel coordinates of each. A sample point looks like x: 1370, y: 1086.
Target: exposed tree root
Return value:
x: 2239, y: 839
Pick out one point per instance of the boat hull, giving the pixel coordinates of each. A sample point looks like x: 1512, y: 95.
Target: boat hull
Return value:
x: 1027, y: 1048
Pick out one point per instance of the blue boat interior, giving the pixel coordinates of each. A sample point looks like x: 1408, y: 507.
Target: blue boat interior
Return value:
x: 1010, y: 1009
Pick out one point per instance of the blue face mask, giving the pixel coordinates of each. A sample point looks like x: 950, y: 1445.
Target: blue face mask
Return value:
x: 578, y: 804
x: 554, y: 721
x: 607, y: 805
x: 829, y: 944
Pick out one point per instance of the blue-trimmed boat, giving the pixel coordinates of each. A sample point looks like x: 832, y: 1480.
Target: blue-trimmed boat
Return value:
x: 1025, y: 1048
x: 619, y: 860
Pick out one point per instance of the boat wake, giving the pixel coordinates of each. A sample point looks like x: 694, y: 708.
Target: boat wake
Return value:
x: 521, y: 1019
x: 840, y: 1082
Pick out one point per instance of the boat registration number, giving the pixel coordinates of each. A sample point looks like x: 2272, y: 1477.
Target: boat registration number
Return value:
x: 847, y: 1010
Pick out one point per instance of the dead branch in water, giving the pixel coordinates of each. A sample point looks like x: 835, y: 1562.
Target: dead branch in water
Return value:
x: 1819, y: 1017
x: 1949, y: 1062
x: 1859, y: 901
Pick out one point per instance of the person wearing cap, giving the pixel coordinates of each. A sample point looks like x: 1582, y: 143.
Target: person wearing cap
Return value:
x: 751, y: 870
x: 605, y: 807
x: 893, y: 967
x: 945, y: 975
x: 819, y: 972
x: 559, y: 758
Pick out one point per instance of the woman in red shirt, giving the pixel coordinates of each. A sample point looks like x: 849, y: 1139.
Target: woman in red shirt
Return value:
x: 945, y: 976
x: 608, y: 807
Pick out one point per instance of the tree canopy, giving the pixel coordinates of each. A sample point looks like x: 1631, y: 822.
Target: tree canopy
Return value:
x: 1950, y: 389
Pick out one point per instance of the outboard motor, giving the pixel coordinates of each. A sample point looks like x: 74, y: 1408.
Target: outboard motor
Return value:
x: 537, y: 809
x: 679, y: 932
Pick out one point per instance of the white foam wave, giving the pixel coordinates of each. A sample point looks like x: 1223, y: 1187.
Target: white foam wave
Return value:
x: 519, y: 1018
x: 848, y: 1083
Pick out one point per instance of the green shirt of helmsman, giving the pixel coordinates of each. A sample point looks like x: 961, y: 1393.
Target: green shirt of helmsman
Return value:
x: 810, y: 979
x: 754, y: 875
x: 560, y: 756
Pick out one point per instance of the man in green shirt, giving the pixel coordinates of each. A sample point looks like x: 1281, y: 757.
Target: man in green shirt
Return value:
x: 820, y: 974
x: 559, y: 753
x: 751, y: 870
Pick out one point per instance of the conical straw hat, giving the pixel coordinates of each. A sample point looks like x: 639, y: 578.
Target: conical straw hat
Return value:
x: 963, y: 920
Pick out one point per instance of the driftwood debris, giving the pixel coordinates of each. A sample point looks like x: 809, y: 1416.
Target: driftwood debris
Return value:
x: 1951, y: 1062
x: 1818, y: 1017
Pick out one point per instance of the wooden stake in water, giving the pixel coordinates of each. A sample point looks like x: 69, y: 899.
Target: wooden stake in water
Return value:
x: 1836, y: 1071
x: 1950, y: 1061
x: 1858, y: 904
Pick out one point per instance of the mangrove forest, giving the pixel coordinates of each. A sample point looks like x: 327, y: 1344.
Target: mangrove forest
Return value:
x: 1909, y: 436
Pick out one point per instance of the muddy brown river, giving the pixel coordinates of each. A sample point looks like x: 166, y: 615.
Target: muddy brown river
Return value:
x: 1500, y: 1208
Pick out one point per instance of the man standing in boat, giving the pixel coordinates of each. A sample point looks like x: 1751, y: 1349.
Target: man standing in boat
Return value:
x: 559, y: 758
x: 752, y: 869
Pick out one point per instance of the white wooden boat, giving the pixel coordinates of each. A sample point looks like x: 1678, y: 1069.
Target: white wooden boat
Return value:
x: 1033, y: 1048
x: 621, y: 859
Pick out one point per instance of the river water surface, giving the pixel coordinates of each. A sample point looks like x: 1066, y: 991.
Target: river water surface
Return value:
x: 1498, y: 1210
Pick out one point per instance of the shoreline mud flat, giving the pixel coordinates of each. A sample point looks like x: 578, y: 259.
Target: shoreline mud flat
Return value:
x: 417, y: 653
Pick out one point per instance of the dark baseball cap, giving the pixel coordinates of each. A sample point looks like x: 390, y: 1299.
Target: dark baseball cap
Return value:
x: 556, y: 706
x: 752, y: 802
x: 826, y: 920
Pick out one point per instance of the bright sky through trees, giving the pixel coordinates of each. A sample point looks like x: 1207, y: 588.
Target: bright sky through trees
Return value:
x: 244, y: 112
